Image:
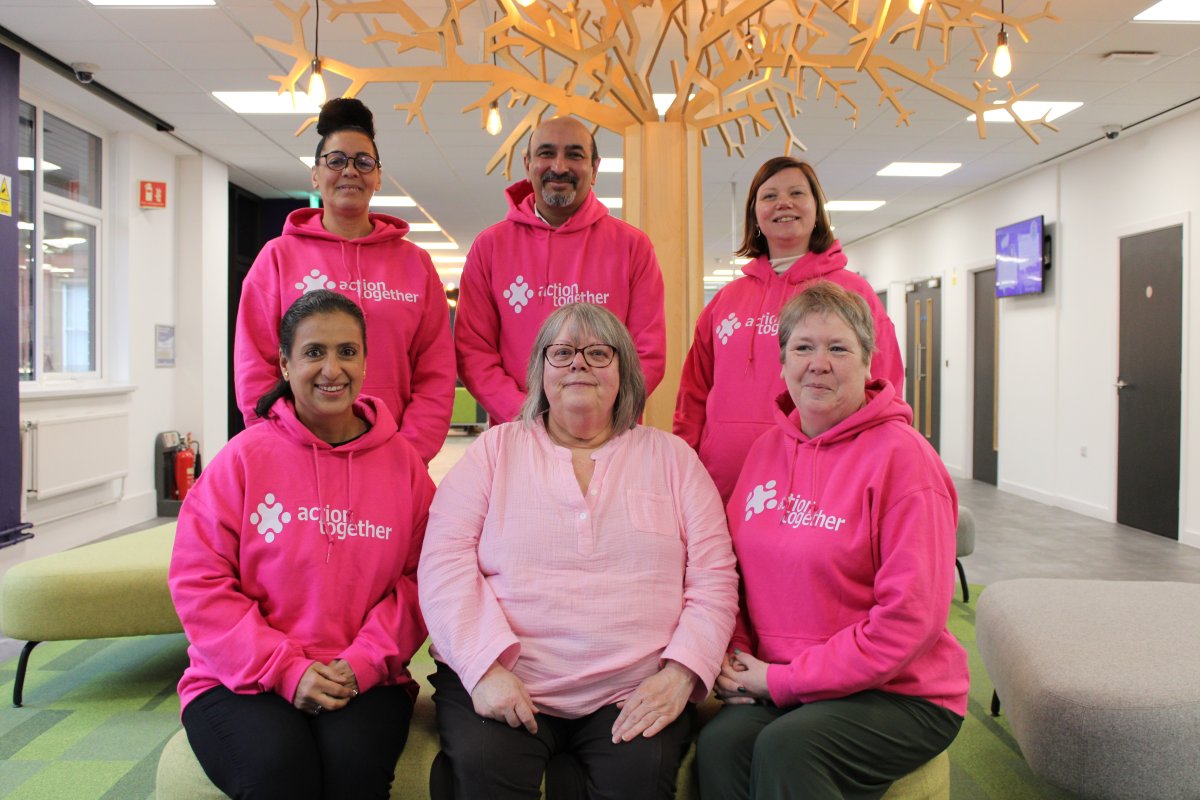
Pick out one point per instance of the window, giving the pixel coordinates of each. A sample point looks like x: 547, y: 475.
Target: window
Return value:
x: 60, y: 224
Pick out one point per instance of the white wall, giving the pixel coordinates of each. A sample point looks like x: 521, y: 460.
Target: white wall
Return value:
x: 161, y: 266
x: 1058, y: 352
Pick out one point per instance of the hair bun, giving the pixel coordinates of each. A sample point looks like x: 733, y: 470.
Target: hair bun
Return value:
x: 346, y: 112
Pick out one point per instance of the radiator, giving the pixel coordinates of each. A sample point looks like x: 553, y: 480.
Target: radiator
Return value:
x: 66, y: 454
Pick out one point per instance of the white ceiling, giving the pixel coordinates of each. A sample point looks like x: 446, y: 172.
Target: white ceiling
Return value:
x: 168, y: 61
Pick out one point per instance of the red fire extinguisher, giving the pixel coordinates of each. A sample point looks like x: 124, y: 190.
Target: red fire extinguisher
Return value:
x: 185, y: 467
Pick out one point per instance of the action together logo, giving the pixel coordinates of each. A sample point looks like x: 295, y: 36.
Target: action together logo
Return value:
x: 765, y: 325
x: 339, y: 523
x: 519, y: 293
x: 797, y: 511
x: 367, y: 290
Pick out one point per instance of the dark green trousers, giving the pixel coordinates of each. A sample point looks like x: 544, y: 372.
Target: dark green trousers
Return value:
x: 853, y: 747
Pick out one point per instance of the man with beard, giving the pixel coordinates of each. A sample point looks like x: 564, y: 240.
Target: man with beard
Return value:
x: 557, y: 245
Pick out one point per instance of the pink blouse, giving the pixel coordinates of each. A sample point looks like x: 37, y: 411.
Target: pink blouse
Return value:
x: 582, y: 597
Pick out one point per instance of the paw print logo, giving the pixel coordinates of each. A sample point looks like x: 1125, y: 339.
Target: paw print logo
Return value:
x: 518, y: 294
x: 313, y: 281
x: 726, y: 328
x: 270, y: 518
x: 762, y: 498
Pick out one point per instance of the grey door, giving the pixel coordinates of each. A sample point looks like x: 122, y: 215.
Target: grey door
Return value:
x: 923, y: 374
x: 985, y: 425
x: 1148, y: 385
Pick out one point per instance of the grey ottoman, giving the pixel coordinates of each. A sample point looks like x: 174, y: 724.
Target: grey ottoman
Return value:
x: 1099, y: 680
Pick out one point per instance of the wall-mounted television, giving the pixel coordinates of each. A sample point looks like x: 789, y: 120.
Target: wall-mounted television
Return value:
x: 1022, y: 257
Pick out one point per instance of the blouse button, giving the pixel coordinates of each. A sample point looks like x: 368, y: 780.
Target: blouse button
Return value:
x: 583, y: 515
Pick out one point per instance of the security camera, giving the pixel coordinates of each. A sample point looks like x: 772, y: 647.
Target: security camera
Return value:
x: 1111, y: 131
x: 84, y: 72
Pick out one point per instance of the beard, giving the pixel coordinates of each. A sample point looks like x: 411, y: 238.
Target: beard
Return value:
x: 558, y: 199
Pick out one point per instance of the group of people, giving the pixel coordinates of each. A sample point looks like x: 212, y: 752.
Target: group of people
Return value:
x: 584, y: 580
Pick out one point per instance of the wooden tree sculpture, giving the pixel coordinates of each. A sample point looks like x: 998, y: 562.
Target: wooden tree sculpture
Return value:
x: 735, y: 69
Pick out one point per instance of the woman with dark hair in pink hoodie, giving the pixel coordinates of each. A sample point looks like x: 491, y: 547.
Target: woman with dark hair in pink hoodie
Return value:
x: 344, y: 247
x: 731, y: 375
x: 295, y: 576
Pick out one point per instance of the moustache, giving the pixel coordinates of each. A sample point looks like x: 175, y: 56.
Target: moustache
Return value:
x: 559, y: 177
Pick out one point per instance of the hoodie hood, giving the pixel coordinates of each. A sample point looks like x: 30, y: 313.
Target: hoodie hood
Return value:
x: 282, y: 417
x: 307, y: 222
x: 882, y: 406
x: 807, y: 267
x: 523, y: 210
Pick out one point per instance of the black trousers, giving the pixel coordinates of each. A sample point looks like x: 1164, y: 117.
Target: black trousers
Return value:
x: 853, y: 747
x: 260, y: 746
x: 488, y: 759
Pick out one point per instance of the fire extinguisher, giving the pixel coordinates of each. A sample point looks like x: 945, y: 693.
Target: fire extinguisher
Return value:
x: 185, y: 467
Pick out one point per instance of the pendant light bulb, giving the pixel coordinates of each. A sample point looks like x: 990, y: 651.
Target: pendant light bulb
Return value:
x: 494, y: 123
x: 1002, y: 60
x: 525, y: 3
x: 916, y: 6
x: 316, y: 84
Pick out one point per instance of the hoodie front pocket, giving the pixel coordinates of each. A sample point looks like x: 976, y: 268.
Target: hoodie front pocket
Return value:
x: 650, y: 512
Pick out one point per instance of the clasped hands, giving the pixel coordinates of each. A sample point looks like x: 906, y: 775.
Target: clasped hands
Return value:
x: 743, y: 679
x: 325, y: 687
x: 654, y: 704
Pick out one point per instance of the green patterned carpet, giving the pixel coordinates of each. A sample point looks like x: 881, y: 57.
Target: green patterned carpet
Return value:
x: 98, y: 713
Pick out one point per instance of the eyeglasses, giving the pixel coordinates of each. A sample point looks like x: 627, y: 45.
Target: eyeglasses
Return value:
x: 563, y: 355
x: 337, y: 161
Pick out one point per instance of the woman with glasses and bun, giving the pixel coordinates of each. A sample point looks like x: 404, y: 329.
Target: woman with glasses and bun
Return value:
x: 345, y: 248
x: 578, y: 584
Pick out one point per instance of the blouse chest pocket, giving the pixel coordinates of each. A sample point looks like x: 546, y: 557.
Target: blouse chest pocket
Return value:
x: 650, y: 512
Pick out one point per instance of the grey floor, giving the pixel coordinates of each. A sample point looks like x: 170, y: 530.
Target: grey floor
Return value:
x: 1015, y: 538
x: 1019, y: 538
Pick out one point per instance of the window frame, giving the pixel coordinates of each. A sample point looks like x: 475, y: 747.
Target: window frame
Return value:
x: 44, y: 203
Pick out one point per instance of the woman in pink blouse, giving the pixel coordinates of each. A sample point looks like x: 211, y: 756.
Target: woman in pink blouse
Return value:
x: 577, y: 580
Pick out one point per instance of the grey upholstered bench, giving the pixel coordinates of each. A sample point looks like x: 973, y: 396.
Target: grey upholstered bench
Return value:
x: 1099, y: 682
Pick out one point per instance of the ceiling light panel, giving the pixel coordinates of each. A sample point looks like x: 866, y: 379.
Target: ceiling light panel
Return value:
x: 854, y: 205
x: 918, y: 169
x: 268, y: 103
x: 1029, y: 110
x: 1171, y: 11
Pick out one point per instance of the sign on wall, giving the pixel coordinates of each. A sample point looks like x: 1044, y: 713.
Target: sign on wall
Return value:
x: 152, y: 194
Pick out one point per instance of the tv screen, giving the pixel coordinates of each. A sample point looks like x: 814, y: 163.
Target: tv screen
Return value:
x: 1020, y: 263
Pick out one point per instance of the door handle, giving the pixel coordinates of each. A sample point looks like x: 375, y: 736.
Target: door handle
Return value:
x: 1120, y: 384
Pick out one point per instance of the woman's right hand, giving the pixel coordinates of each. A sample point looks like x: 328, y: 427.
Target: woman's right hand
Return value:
x: 321, y: 689
x: 728, y: 686
x: 502, y: 696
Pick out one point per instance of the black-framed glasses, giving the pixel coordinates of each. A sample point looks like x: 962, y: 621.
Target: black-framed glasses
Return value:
x: 337, y: 161
x: 596, y: 355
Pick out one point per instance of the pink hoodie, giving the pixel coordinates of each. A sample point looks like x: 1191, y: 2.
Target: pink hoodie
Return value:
x: 520, y: 270
x: 845, y: 542
x: 732, y: 371
x: 290, y: 551
x: 409, y: 349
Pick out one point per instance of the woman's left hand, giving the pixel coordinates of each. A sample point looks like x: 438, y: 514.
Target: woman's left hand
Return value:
x: 655, y: 703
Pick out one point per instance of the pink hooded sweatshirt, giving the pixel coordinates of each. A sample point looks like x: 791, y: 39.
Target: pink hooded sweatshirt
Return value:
x: 845, y: 542
x: 520, y: 270
x: 732, y: 371
x: 409, y: 349
x: 290, y: 551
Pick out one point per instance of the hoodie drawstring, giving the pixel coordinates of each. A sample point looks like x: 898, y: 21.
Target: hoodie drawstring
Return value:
x: 321, y: 524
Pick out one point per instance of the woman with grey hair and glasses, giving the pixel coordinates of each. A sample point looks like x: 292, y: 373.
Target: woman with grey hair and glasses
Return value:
x: 577, y: 581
